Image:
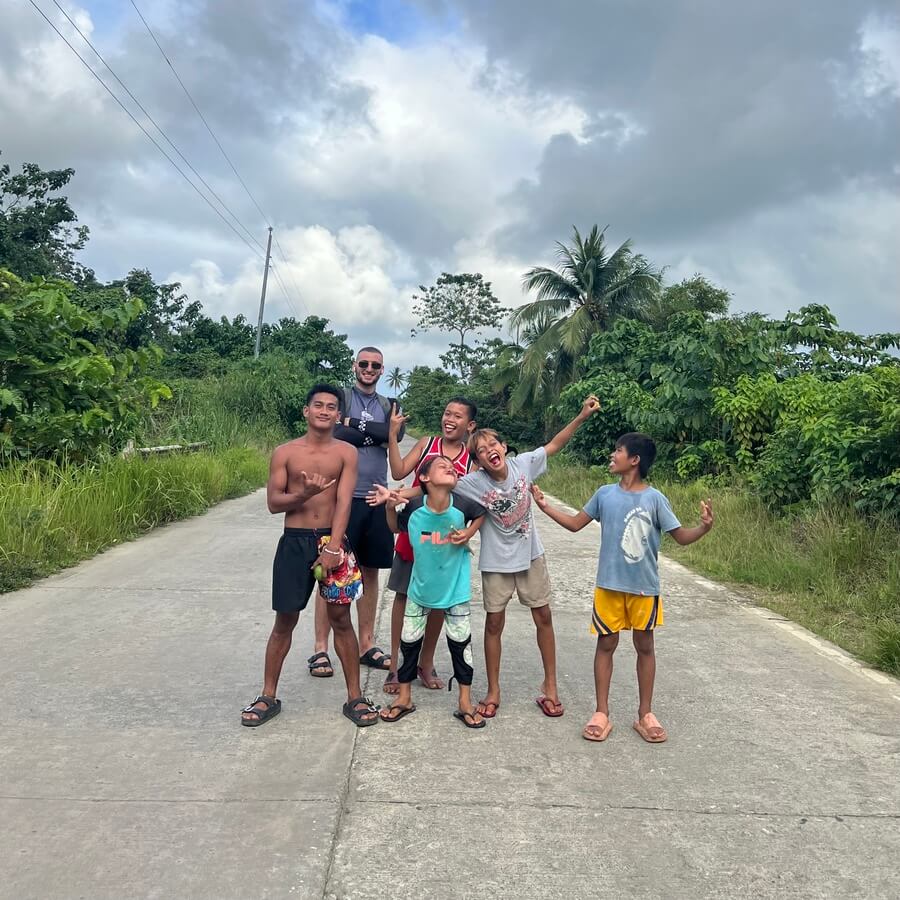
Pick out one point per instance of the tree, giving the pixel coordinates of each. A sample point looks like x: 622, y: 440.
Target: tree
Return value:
x: 586, y: 293
x: 692, y: 294
x: 37, y: 231
x: 458, y: 304
x: 322, y: 352
x: 60, y: 393
x: 396, y: 379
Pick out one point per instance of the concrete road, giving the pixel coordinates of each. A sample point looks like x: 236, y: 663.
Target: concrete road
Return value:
x: 124, y: 771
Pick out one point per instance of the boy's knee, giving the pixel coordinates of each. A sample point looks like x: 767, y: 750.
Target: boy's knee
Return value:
x: 494, y: 622
x: 285, y: 623
x: 607, y: 643
x: 542, y: 616
x: 339, y: 616
x: 643, y: 642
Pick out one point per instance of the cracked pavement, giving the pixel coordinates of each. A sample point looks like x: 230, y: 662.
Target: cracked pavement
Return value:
x: 124, y: 771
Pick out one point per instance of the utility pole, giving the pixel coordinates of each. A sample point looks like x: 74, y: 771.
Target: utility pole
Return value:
x: 262, y: 296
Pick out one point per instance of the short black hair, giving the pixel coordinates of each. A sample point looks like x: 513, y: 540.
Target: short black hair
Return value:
x: 322, y: 388
x: 640, y: 445
x: 469, y: 405
x: 425, y: 466
x: 368, y: 350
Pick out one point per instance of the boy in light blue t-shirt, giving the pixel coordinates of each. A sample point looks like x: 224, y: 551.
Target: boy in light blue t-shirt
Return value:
x: 440, y: 579
x: 632, y: 517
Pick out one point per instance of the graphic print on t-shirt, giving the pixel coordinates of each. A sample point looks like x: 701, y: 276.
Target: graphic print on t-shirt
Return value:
x: 636, y: 536
x: 511, y: 510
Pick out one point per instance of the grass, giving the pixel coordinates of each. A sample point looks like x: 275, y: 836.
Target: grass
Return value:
x: 828, y: 569
x: 200, y: 411
x: 52, y: 516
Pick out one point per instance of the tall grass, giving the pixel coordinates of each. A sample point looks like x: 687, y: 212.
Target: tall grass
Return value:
x: 209, y: 409
x: 53, y: 515
x: 829, y: 569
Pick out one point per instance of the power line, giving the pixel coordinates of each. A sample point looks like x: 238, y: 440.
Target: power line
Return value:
x: 156, y: 125
x: 218, y: 143
x: 290, y: 274
x: 199, y: 113
x: 153, y: 140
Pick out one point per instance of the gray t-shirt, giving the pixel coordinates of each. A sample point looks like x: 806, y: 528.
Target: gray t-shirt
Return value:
x: 631, y: 525
x: 372, y: 460
x: 509, y: 539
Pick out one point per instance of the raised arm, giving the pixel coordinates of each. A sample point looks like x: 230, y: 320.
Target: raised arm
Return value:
x: 567, y: 520
x: 685, y: 536
x: 401, y: 466
x: 588, y: 408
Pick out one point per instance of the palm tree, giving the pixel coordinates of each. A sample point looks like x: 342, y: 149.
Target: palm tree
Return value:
x: 586, y: 293
x: 397, y: 379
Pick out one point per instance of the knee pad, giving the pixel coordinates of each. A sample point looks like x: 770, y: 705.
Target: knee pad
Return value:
x: 461, y: 655
x: 407, y: 670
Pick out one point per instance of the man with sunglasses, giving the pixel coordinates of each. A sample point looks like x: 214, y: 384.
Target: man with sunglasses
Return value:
x: 365, y: 423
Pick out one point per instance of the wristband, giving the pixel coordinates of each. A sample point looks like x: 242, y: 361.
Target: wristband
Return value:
x: 332, y: 552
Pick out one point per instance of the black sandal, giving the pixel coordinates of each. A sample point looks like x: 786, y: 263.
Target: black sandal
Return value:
x: 404, y: 711
x: 464, y: 718
x: 320, y: 661
x: 358, y: 707
x: 273, y: 707
x: 383, y: 662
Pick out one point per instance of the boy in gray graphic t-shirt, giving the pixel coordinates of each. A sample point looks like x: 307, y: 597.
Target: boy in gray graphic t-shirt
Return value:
x: 512, y: 556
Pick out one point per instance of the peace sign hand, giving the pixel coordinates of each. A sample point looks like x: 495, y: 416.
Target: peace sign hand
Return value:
x: 706, y: 514
x: 312, y: 484
x: 398, y: 419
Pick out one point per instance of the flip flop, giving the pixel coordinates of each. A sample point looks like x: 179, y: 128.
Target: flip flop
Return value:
x: 435, y: 683
x: 320, y: 661
x: 650, y: 730
x: 548, y: 707
x: 273, y: 707
x: 383, y: 662
x: 601, y: 726
x: 404, y: 711
x: 487, y: 704
x: 463, y: 717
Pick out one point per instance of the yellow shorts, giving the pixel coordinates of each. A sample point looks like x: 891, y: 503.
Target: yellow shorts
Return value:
x: 617, y: 611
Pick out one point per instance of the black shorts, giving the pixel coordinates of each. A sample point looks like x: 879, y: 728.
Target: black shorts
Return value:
x: 369, y: 536
x: 292, y: 576
x: 401, y: 571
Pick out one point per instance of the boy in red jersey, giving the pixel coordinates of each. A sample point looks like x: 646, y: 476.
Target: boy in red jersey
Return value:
x: 457, y: 423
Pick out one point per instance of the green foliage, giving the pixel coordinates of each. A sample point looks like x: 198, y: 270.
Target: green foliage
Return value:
x: 460, y: 305
x: 695, y: 294
x: 427, y: 393
x: 61, y: 393
x: 809, y: 437
x: 622, y: 402
x: 53, y: 515
x: 37, y: 232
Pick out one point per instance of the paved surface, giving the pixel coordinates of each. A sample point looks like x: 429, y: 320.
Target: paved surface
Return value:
x: 124, y: 771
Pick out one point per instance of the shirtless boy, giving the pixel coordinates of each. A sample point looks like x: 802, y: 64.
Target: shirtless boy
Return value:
x: 311, y: 481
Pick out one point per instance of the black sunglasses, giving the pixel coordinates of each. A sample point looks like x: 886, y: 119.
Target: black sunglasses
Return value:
x: 364, y: 364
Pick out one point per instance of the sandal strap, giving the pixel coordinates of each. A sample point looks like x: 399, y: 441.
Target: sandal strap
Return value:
x: 262, y: 698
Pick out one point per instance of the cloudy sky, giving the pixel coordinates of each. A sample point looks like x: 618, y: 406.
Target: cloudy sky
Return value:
x: 390, y: 140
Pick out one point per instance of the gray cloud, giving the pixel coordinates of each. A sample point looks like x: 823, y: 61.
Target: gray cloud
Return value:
x: 757, y: 142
